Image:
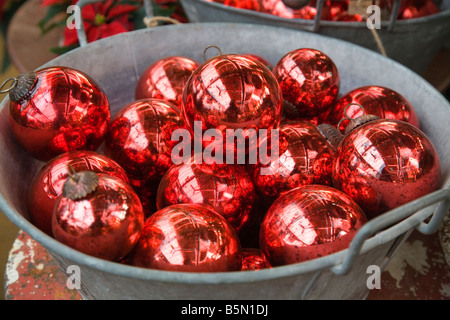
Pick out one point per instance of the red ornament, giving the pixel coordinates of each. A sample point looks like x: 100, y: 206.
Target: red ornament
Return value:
x: 309, y: 222
x: 188, y: 237
x: 261, y: 59
x: 309, y: 81
x: 344, y: 16
x: 47, y: 185
x: 254, y: 259
x: 305, y: 157
x: 277, y: 8
x: 228, y: 189
x: 241, y: 4
x: 99, y: 215
x: 380, y: 101
x: 56, y: 110
x: 330, y: 9
x: 165, y: 79
x: 308, y: 12
x: 383, y: 164
x: 418, y: 8
x: 231, y: 92
x: 140, y: 140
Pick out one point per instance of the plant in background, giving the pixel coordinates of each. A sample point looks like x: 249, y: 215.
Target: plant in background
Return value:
x: 7, y: 10
x: 103, y: 18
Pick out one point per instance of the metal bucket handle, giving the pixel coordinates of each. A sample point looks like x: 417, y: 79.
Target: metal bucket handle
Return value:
x: 413, y: 215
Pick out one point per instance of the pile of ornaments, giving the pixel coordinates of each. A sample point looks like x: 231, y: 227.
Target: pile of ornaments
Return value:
x: 122, y: 189
x: 333, y: 10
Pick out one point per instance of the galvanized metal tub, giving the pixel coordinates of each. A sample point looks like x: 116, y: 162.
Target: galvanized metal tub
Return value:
x: 116, y: 64
x: 412, y: 42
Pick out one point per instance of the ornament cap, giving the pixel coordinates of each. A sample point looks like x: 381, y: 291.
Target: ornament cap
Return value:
x: 354, y: 123
x: 330, y: 133
x: 290, y: 110
x: 80, y: 184
x: 25, y: 82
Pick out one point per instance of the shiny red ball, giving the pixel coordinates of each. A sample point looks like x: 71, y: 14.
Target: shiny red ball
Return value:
x: 418, y: 8
x: 47, y: 185
x: 305, y: 157
x: 377, y: 100
x: 277, y: 8
x: 228, y: 189
x: 309, y: 81
x: 165, y: 79
x: 261, y: 59
x: 64, y: 110
x: 254, y: 259
x: 241, y: 4
x: 140, y: 140
x: 188, y: 237
x: 231, y: 92
x: 106, y: 223
x: 309, y: 222
x: 330, y: 9
x: 383, y: 164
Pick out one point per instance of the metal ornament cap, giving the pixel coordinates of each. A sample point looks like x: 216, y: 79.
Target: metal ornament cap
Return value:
x: 25, y: 82
x: 330, y: 133
x: 354, y: 123
x: 80, y: 184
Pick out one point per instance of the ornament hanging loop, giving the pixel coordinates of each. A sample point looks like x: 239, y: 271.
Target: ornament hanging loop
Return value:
x: 72, y: 173
x: 346, y: 116
x: 208, y: 47
x: 12, y: 86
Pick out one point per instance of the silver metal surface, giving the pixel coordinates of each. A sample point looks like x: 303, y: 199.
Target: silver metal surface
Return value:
x: 116, y: 64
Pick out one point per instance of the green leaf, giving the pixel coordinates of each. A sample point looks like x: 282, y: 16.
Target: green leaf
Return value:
x: 45, y: 24
x: 138, y: 18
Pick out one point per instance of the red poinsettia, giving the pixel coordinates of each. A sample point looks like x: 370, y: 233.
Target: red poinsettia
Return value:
x: 101, y: 20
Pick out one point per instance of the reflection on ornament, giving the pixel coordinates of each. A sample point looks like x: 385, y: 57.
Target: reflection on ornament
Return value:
x: 165, y: 79
x: 307, y: 223
x: 228, y: 189
x: 61, y: 110
x: 106, y: 223
x: 376, y: 100
x: 383, y: 164
x: 188, y: 237
x: 309, y: 81
x: 231, y: 92
x: 47, y: 185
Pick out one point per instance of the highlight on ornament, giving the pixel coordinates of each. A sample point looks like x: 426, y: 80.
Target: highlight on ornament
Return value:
x: 239, y: 147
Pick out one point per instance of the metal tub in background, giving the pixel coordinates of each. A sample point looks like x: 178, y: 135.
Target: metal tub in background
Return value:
x: 117, y: 62
x: 412, y: 42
